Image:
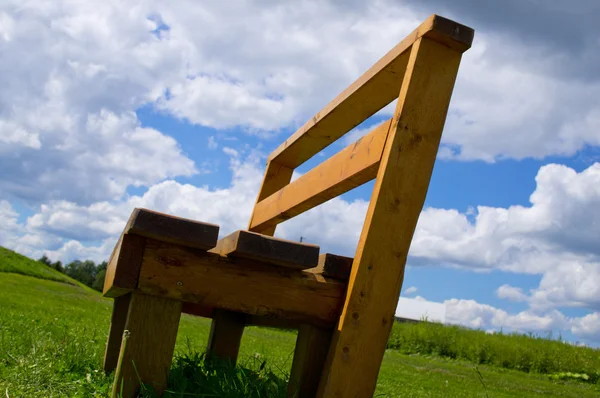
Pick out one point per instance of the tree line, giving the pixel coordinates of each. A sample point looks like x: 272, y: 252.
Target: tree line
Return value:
x: 86, y: 272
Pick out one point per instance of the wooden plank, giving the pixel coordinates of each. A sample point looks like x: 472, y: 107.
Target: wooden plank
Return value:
x: 115, y: 333
x: 181, y: 231
x: 197, y: 276
x: 376, y: 88
x: 123, y: 267
x: 148, y: 344
x: 225, y: 335
x: 333, y: 266
x: 374, y: 287
x: 275, y: 178
x: 198, y: 310
x: 310, y: 355
x: 348, y: 169
x: 250, y: 320
x: 269, y: 250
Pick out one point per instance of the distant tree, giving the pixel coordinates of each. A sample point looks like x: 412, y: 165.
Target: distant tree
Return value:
x: 102, y: 266
x: 83, y: 271
x: 45, y: 260
x: 54, y: 265
x: 99, y: 282
x: 58, y: 266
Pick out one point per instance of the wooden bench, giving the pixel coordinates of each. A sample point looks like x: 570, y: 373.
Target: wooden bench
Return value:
x: 342, y: 307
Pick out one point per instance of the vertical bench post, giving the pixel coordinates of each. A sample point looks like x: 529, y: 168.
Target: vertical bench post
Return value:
x: 225, y: 336
x: 401, y: 185
x: 148, y: 344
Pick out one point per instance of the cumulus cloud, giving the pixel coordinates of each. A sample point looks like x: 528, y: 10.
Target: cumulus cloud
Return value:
x: 74, y: 74
x: 473, y: 314
x: 511, y: 293
x: 9, y: 226
x: 61, y: 99
x: 482, y: 316
x: 410, y: 290
x: 588, y: 326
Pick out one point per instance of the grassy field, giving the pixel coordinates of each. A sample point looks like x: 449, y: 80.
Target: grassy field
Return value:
x: 52, y: 338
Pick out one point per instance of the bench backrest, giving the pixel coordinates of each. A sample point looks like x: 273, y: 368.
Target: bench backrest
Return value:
x: 400, y: 154
x: 280, y: 200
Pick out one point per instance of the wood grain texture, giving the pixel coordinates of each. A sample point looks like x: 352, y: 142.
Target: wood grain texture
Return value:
x: 225, y: 336
x: 269, y: 250
x: 275, y: 178
x: 346, y: 170
x: 374, y: 287
x: 196, y: 276
x: 123, y: 267
x: 115, y: 333
x: 148, y: 344
x: 312, y: 345
x: 376, y: 88
x: 333, y: 266
x: 181, y: 231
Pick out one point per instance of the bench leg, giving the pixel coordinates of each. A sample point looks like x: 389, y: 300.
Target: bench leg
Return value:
x: 115, y: 333
x: 225, y: 335
x: 310, y: 354
x: 148, y: 344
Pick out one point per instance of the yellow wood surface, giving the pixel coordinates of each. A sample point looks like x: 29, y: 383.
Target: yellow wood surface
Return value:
x: 124, y: 266
x: 348, y: 169
x: 148, y: 344
x: 247, y: 286
x: 275, y: 178
x: 376, y: 88
x: 268, y: 250
x: 402, y: 182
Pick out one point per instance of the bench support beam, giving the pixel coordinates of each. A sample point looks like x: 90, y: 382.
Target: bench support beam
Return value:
x: 398, y: 196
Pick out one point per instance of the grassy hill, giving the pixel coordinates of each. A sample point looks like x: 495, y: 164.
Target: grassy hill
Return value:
x: 16, y: 263
x: 52, y: 338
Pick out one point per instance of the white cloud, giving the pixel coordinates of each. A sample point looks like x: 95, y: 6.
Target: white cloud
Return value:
x: 587, y: 327
x: 473, y: 314
x: 420, y: 309
x: 410, y: 290
x: 73, y: 76
x: 79, y: 71
x: 482, y: 316
x: 511, y: 293
x: 9, y: 227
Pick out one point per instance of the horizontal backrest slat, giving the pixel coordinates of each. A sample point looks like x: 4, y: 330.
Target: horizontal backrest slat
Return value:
x: 376, y: 88
x: 348, y: 169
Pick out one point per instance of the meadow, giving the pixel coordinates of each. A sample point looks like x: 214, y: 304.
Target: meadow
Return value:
x: 53, y: 331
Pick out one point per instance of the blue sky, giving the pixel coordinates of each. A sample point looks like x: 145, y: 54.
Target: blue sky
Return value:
x: 107, y: 106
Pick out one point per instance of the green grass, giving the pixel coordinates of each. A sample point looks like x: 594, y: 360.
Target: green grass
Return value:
x: 52, y: 338
x: 510, y: 351
x: 18, y: 264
